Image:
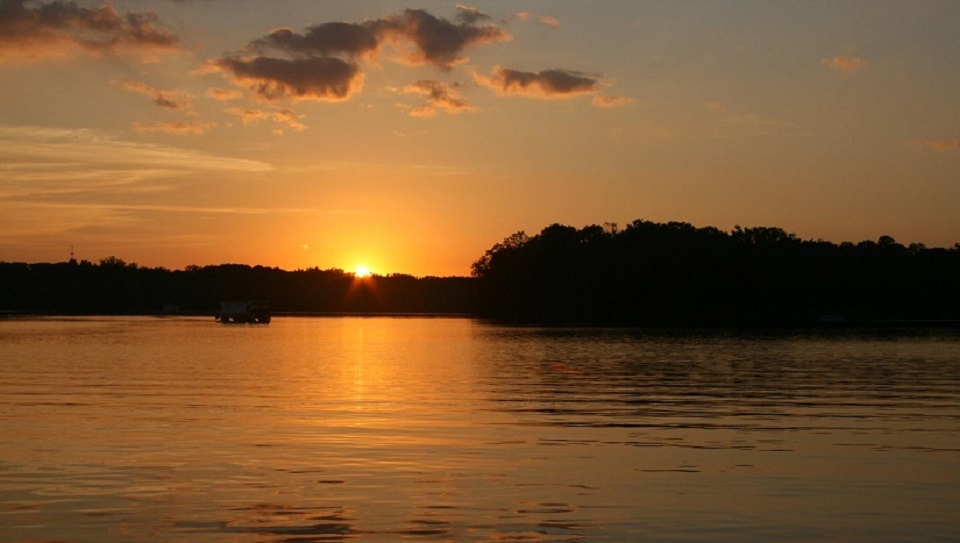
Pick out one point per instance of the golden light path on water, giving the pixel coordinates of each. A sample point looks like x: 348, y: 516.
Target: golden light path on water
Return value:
x: 376, y: 429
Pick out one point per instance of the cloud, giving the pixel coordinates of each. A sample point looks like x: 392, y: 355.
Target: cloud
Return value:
x: 425, y: 38
x: 171, y: 99
x: 714, y: 105
x: 437, y: 41
x: 470, y: 15
x: 942, y: 146
x: 324, y: 40
x: 543, y: 20
x: 223, y: 95
x: 549, y: 21
x: 290, y: 119
x: 249, y: 116
x: 544, y: 84
x: 314, y: 78
x: 439, y: 95
x: 285, y: 117
x: 194, y: 128
x: 91, y: 150
x: 56, y: 182
x: 845, y: 64
x: 42, y: 164
x: 58, y: 28
x: 322, y: 63
x: 611, y: 101
x: 423, y: 112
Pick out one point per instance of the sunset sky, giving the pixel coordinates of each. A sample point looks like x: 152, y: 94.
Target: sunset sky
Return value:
x: 411, y: 137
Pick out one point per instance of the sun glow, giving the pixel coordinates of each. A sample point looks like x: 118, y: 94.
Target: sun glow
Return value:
x: 362, y: 271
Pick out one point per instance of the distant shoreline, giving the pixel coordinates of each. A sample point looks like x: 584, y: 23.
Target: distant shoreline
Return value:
x: 645, y: 275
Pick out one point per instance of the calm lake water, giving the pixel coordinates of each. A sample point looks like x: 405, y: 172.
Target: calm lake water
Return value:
x: 382, y: 429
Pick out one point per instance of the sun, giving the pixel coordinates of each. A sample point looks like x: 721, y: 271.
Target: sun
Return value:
x: 362, y: 271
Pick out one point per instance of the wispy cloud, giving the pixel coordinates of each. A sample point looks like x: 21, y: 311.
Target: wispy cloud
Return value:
x: 283, y: 117
x: 223, y: 95
x: 54, y: 181
x: 30, y: 30
x: 611, y: 101
x: 421, y: 112
x: 543, y: 84
x: 548, y: 21
x: 439, y: 96
x: 845, y: 64
x: 544, y: 20
x: 173, y: 127
x: 290, y: 119
x: 941, y: 146
x: 82, y: 150
x: 172, y: 99
x: 470, y: 15
x: 29, y: 223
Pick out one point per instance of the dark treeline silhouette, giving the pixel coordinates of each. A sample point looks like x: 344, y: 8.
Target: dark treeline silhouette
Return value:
x: 114, y: 287
x: 645, y: 274
x: 676, y: 274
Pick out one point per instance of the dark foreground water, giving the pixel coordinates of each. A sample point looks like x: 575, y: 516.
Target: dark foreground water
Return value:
x: 370, y: 430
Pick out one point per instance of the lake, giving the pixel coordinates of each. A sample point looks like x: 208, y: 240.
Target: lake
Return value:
x: 431, y: 429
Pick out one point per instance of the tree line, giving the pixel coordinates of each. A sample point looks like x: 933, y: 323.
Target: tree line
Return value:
x: 646, y: 274
x: 673, y: 273
x: 114, y: 287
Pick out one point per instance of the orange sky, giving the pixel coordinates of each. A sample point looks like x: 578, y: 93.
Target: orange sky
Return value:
x: 412, y: 138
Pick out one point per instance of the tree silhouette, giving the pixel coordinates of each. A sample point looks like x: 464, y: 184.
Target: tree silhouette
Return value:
x: 676, y: 274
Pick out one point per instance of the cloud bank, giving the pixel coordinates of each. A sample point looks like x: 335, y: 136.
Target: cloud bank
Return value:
x: 34, y: 30
x: 322, y: 62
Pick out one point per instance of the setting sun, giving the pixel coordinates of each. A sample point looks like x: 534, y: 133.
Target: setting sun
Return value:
x: 362, y: 271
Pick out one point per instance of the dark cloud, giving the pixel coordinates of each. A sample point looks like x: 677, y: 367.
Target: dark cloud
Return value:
x: 439, y: 95
x: 327, y: 39
x: 29, y: 29
x: 322, y: 61
x: 469, y: 15
x: 317, y: 78
x: 544, y: 84
x: 425, y: 38
x: 438, y: 41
